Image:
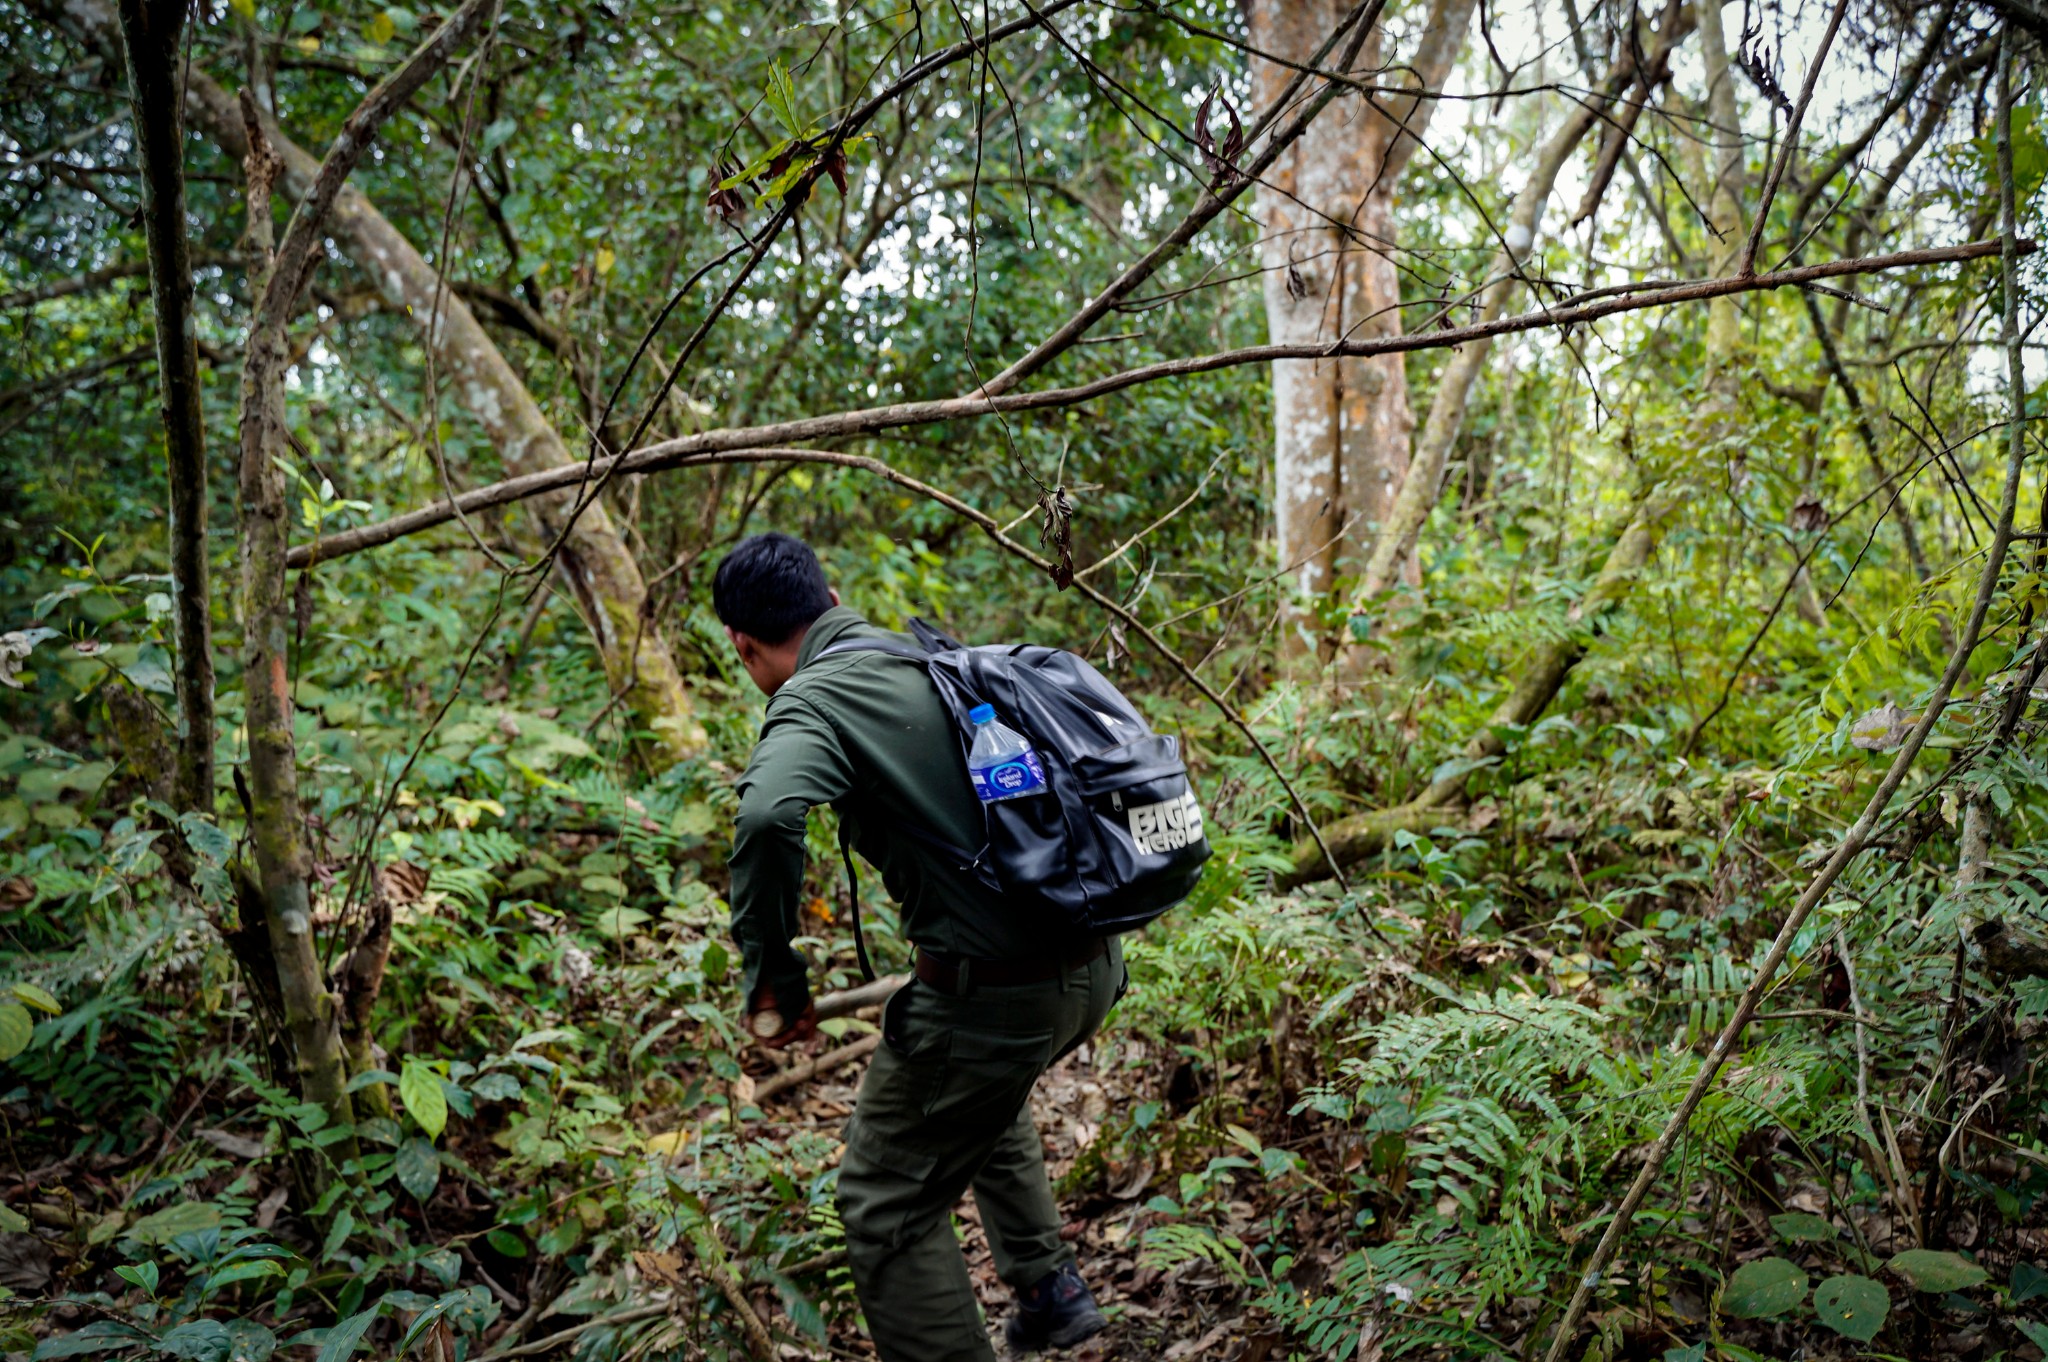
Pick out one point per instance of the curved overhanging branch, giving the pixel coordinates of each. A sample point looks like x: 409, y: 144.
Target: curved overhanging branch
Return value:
x: 690, y: 450
x: 988, y: 524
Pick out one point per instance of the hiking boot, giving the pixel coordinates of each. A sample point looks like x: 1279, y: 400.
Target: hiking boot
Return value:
x: 1057, y: 1313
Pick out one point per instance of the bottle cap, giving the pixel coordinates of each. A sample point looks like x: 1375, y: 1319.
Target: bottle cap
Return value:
x: 981, y: 714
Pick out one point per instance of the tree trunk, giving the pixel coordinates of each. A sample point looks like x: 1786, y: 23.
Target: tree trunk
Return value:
x: 595, y: 562
x: 1341, y: 427
x: 276, y: 828
x: 1724, y: 204
x: 151, y: 30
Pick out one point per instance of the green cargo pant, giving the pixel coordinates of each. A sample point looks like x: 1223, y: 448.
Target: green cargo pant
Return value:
x: 945, y: 1105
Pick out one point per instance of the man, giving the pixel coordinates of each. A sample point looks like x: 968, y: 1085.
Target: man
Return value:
x: 996, y: 1000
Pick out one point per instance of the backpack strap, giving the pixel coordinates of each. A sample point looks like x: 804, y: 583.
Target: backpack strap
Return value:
x: 893, y: 647
x: 860, y: 941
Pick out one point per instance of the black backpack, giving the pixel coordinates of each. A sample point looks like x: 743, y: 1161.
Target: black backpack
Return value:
x: 1116, y: 840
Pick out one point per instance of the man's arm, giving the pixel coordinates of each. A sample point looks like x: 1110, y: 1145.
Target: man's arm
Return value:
x: 798, y: 763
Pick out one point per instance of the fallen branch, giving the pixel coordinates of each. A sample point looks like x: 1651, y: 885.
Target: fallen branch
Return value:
x: 748, y: 441
x: 702, y: 1238
x: 574, y: 1331
x: 798, y: 1074
x: 852, y: 1000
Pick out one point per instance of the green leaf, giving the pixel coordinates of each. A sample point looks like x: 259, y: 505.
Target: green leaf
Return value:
x: 37, y: 998
x: 344, y: 1338
x: 13, y: 1221
x: 425, y: 1320
x: 243, y: 1272
x: 144, y: 1275
x: 98, y: 1339
x: 199, y: 1340
x: 208, y: 842
x: 1766, y: 1287
x: 1696, y: 1353
x: 419, y: 1087
x: 507, y: 1243
x: 2037, y: 1334
x: 2028, y: 1282
x: 151, y: 669
x: 1854, y: 1307
x: 172, y: 1221
x: 1799, y: 1227
x: 337, y: 1236
x: 249, y: 1341
x: 497, y: 135
x: 17, y: 1029
x: 1937, y: 1271
x: 418, y: 1167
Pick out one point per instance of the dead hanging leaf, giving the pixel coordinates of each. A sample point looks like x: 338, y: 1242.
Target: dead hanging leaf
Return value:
x: 1219, y: 157
x: 833, y: 163
x: 16, y: 890
x: 1881, y: 729
x: 401, y: 883
x: 1809, y: 515
x: 1056, y: 534
x: 728, y: 203
x: 1297, y: 287
x: 1759, y: 59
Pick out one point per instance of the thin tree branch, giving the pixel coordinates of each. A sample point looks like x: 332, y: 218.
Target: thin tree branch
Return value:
x: 692, y: 449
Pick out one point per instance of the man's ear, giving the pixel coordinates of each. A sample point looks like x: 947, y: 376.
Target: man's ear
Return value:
x: 833, y: 593
x: 743, y: 644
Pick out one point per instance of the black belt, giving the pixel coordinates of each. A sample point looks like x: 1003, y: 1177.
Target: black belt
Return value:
x: 955, y: 974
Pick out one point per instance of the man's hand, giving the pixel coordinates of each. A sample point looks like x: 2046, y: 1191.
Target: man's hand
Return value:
x: 775, y: 1031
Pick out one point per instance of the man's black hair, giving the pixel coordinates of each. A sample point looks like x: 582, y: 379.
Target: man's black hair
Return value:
x: 770, y: 586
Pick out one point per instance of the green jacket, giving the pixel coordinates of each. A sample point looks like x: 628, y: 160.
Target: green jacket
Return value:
x: 867, y: 734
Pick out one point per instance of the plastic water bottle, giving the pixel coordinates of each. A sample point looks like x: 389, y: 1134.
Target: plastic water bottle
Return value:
x: 1001, y: 762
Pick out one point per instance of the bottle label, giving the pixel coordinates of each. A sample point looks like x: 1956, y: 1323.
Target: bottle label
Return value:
x: 1020, y: 775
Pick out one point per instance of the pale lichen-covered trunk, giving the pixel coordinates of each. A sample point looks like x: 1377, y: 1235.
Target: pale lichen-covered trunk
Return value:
x: 1724, y: 204
x: 1341, y: 427
x: 600, y: 570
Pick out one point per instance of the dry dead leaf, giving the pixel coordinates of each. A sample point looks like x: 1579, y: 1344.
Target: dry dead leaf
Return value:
x: 665, y: 1269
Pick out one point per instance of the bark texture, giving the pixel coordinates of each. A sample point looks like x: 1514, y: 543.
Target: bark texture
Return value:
x: 595, y: 562
x: 1341, y: 426
x: 150, y: 31
x: 276, y: 826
